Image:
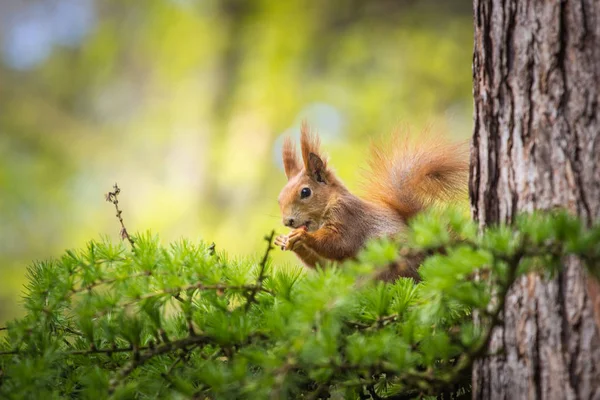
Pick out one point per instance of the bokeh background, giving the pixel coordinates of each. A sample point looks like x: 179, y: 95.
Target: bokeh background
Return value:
x: 185, y: 103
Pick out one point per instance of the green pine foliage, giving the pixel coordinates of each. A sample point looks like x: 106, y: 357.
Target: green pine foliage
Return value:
x: 186, y: 321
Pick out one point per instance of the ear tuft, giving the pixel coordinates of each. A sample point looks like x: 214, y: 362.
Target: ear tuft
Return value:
x: 291, y: 164
x: 309, y: 143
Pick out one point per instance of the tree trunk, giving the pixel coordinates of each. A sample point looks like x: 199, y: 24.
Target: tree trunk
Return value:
x: 536, y: 145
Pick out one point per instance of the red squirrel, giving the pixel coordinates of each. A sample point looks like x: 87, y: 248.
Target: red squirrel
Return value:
x: 329, y: 223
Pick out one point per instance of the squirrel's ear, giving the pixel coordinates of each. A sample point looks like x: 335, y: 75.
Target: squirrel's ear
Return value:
x: 316, y: 168
x: 291, y: 164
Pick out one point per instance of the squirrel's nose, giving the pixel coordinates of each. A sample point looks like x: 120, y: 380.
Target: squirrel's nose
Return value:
x: 289, y: 222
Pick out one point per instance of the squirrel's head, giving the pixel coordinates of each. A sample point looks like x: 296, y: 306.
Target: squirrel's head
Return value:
x: 311, y: 184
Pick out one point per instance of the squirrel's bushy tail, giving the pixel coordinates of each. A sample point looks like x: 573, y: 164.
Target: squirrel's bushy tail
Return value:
x: 409, y: 175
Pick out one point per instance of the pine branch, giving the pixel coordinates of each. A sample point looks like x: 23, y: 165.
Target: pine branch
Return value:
x: 308, y: 334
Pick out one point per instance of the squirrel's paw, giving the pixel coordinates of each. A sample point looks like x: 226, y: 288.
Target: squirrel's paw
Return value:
x: 295, y: 238
x: 281, y: 241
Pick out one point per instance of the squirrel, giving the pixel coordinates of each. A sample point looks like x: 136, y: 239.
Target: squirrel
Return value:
x: 329, y: 223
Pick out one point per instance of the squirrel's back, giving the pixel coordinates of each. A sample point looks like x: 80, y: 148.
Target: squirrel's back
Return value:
x: 408, y: 175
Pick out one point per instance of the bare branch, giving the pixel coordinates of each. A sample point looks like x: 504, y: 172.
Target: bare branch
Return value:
x: 113, y: 198
x: 261, y: 273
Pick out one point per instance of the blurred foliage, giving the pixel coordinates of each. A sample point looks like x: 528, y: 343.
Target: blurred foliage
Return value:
x: 184, y: 103
x: 185, y: 321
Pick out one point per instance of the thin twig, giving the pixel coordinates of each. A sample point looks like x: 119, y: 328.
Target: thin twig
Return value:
x: 85, y: 352
x: 466, y: 360
x: 113, y: 198
x: 156, y: 351
x: 101, y: 282
x: 261, y: 274
x: 104, y: 351
x: 280, y: 375
x: 371, y: 390
x: 142, y: 358
x: 379, y: 323
x: 499, y: 309
x: 72, y: 331
x: 317, y: 393
x: 196, y: 286
x: 173, y: 365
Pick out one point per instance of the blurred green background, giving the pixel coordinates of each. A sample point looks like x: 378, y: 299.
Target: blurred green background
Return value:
x: 185, y: 103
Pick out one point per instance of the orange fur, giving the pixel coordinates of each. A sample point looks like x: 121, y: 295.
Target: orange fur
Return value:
x: 414, y: 175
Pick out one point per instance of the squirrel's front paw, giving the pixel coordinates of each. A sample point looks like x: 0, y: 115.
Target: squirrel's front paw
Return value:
x: 295, y: 238
x: 281, y: 241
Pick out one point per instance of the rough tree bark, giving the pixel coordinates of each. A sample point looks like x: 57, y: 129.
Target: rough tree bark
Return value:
x: 536, y: 145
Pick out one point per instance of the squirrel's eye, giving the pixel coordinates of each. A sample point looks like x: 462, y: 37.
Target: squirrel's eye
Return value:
x: 304, y: 193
